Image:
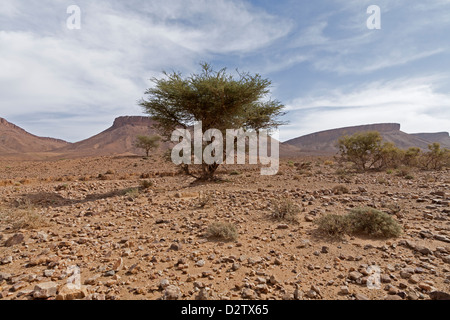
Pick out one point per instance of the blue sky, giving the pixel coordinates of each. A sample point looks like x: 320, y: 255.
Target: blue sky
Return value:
x: 325, y: 65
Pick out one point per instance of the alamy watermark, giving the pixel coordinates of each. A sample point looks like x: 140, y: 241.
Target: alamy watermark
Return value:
x: 258, y: 148
x: 74, y: 279
x: 374, y: 280
x: 374, y: 21
x: 73, y: 22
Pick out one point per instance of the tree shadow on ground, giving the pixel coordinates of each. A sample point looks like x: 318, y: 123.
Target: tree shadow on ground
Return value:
x: 318, y: 235
x: 53, y: 199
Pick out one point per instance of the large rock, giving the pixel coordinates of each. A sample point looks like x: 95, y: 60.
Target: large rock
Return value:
x: 18, y: 238
x: 439, y: 295
x: 72, y: 292
x: 172, y: 293
x: 45, y: 290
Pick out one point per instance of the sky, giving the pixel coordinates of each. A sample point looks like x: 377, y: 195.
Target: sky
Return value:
x: 326, y: 65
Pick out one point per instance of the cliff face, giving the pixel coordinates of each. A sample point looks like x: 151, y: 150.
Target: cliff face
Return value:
x: 132, y: 121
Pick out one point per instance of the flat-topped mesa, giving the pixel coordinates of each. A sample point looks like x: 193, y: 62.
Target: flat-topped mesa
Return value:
x: 380, y: 127
x: 132, y: 120
x: 433, y: 136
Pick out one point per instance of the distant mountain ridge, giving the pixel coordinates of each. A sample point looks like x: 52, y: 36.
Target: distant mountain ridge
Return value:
x: 116, y: 140
x: 326, y: 141
x: 119, y: 139
x: 14, y: 139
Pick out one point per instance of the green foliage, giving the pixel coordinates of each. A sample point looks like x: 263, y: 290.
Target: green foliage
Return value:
x: 362, y: 149
x: 333, y: 225
x: 222, y: 230
x: 390, y: 156
x: 412, y: 157
x: 367, y: 221
x: 437, y: 157
x: 216, y: 98
x: 366, y: 151
x: 147, y: 143
x: 373, y: 222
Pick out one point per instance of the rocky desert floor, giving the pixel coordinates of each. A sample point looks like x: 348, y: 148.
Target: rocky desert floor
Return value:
x: 91, y: 222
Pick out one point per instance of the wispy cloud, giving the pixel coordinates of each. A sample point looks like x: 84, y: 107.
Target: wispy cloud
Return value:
x: 416, y: 103
x: 103, y: 69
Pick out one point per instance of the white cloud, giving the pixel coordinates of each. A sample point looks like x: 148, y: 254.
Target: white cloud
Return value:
x: 414, y: 103
x: 101, y: 70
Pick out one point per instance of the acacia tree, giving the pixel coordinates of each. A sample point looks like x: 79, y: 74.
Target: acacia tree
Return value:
x: 217, y: 99
x: 362, y: 148
x: 147, y: 143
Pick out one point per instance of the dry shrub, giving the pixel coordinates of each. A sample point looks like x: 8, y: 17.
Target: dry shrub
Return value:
x: 365, y: 220
x: 5, y: 183
x: 146, y: 184
x: 333, y: 225
x: 285, y: 210
x: 340, y: 189
x: 223, y: 231
x: 24, y: 216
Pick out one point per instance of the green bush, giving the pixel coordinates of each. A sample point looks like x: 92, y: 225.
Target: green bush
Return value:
x: 367, y: 221
x: 222, y: 230
x: 362, y: 149
x: 333, y: 225
x: 436, y: 158
x: 373, y: 223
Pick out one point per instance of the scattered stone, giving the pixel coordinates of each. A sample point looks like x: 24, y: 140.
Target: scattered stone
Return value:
x: 202, y: 295
x: 344, y: 290
x: 172, y: 293
x: 446, y: 259
x: 360, y: 296
x: 248, y: 294
x: 4, y: 276
x: 175, y: 247
x: 92, y: 281
x: 7, y: 260
x: 118, y: 265
x: 236, y: 266
x: 304, y: 243
x: 393, y: 297
x: 355, y: 275
x: 164, y: 283
x: 200, y: 263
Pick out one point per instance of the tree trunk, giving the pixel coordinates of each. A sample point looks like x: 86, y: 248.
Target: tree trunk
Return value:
x: 208, y: 171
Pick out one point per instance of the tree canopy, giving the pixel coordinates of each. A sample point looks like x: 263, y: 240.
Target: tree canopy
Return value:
x: 216, y: 98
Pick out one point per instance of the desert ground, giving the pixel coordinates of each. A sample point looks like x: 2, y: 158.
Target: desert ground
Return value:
x: 136, y: 240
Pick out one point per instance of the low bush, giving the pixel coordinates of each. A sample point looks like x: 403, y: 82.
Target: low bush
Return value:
x: 222, y: 230
x: 333, y: 225
x: 285, y: 210
x: 373, y: 223
x: 366, y: 221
